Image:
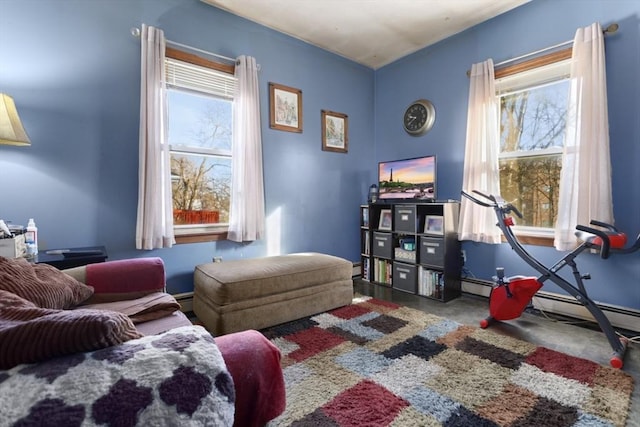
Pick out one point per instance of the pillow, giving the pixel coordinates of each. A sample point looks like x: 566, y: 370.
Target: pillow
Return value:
x: 30, y: 334
x: 42, y: 284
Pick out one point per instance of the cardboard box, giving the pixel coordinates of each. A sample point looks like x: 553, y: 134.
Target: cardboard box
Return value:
x: 14, y: 247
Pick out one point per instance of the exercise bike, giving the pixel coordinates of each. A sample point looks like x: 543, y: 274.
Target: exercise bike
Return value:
x: 511, y: 296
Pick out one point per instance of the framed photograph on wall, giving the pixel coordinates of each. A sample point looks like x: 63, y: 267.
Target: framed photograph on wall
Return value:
x: 434, y: 224
x: 335, y: 135
x: 385, y: 220
x: 285, y: 108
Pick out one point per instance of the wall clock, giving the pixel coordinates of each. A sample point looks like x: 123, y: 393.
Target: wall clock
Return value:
x: 419, y: 117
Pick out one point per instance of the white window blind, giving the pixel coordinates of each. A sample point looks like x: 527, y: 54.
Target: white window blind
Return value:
x: 180, y: 74
x: 536, y: 77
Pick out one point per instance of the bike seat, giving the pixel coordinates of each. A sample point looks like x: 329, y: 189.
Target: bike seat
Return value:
x: 617, y: 240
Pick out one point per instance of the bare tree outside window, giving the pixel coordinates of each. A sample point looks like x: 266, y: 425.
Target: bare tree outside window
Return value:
x: 532, y: 127
x: 200, y: 140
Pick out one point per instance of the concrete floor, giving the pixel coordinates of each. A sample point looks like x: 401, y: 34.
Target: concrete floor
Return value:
x: 585, y: 342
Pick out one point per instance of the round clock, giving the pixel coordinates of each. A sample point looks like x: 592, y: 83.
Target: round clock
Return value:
x: 419, y: 117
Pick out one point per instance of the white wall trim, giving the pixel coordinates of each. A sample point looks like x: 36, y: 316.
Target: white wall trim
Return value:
x: 551, y: 302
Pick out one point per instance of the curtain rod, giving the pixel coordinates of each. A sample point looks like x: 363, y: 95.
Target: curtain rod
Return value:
x: 609, y: 30
x: 135, y: 32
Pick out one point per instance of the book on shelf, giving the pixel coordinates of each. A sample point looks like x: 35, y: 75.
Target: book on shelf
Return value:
x: 365, y: 269
x: 366, y: 243
x: 382, y: 271
x: 365, y: 217
x: 430, y: 282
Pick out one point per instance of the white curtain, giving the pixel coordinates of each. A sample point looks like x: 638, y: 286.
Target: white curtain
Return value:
x: 481, y: 172
x: 246, y: 217
x: 154, y: 227
x: 585, y: 181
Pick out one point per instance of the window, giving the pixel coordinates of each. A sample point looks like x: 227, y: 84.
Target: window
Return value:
x: 199, y: 111
x: 533, y: 112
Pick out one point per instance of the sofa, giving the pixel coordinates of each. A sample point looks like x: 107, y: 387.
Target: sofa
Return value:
x: 113, y: 348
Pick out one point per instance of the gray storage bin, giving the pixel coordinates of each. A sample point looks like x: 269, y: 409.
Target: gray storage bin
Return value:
x: 382, y: 245
x: 405, y: 277
x: 432, y: 251
x: 404, y: 218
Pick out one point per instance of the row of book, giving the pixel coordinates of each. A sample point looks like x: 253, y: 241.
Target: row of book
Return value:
x: 382, y: 271
x: 366, y: 269
x: 430, y: 283
x: 366, y: 243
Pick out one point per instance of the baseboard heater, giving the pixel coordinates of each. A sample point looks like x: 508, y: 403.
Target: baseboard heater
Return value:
x: 186, y: 301
x: 357, y: 268
x: 551, y: 302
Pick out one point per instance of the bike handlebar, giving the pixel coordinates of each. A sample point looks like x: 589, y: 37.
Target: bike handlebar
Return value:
x: 606, y: 244
x: 479, y: 202
x: 612, y: 229
x: 604, y: 225
x: 498, y: 203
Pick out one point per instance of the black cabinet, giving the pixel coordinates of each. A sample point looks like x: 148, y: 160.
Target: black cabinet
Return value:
x: 412, y: 248
x: 73, y: 257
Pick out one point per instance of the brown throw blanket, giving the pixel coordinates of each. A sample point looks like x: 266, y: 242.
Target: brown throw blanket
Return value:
x: 149, y: 307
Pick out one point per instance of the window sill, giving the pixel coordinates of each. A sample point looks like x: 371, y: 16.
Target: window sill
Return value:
x: 197, y: 233
x: 535, y: 236
x: 200, y: 237
x: 528, y: 239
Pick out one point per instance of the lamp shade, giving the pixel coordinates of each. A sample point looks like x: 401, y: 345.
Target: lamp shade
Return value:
x: 11, y: 130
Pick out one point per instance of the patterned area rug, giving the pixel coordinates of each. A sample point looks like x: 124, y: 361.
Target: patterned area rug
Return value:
x: 375, y: 363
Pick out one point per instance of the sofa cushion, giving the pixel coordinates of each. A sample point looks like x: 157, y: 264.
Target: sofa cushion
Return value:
x: 31, y: 334
x: 42, y: 284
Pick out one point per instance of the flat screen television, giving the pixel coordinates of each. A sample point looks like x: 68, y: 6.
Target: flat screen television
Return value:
x: 408, y: 179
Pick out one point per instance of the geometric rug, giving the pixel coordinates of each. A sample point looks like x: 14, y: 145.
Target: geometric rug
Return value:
x: 376, y: 363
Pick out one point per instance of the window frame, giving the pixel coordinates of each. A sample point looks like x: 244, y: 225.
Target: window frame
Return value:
x: 538, y: 236
x: 198, y: 232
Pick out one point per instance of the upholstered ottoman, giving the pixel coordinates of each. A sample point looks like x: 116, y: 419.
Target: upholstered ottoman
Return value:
x: 257, y: 293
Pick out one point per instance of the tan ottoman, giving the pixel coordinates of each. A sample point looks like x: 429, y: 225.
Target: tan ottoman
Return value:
x: 257, y: 293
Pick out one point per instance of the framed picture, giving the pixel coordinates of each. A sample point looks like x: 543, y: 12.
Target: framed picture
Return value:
x: 385, y: 219
x: 434, y: 224
x: 335, y: 136
x: 285, y: 108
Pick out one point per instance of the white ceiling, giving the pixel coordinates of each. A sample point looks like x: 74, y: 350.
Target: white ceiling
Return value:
x: 370, y: 32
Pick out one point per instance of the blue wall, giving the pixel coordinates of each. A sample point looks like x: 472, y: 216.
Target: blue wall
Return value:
x: 73, y: 69
x: 75, y: 76
x: 438, y: 73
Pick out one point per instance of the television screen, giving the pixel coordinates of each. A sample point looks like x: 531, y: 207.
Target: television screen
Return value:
x: 413, y: 179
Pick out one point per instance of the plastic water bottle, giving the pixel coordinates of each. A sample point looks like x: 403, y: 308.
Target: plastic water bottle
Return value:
x: 31, y: 238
